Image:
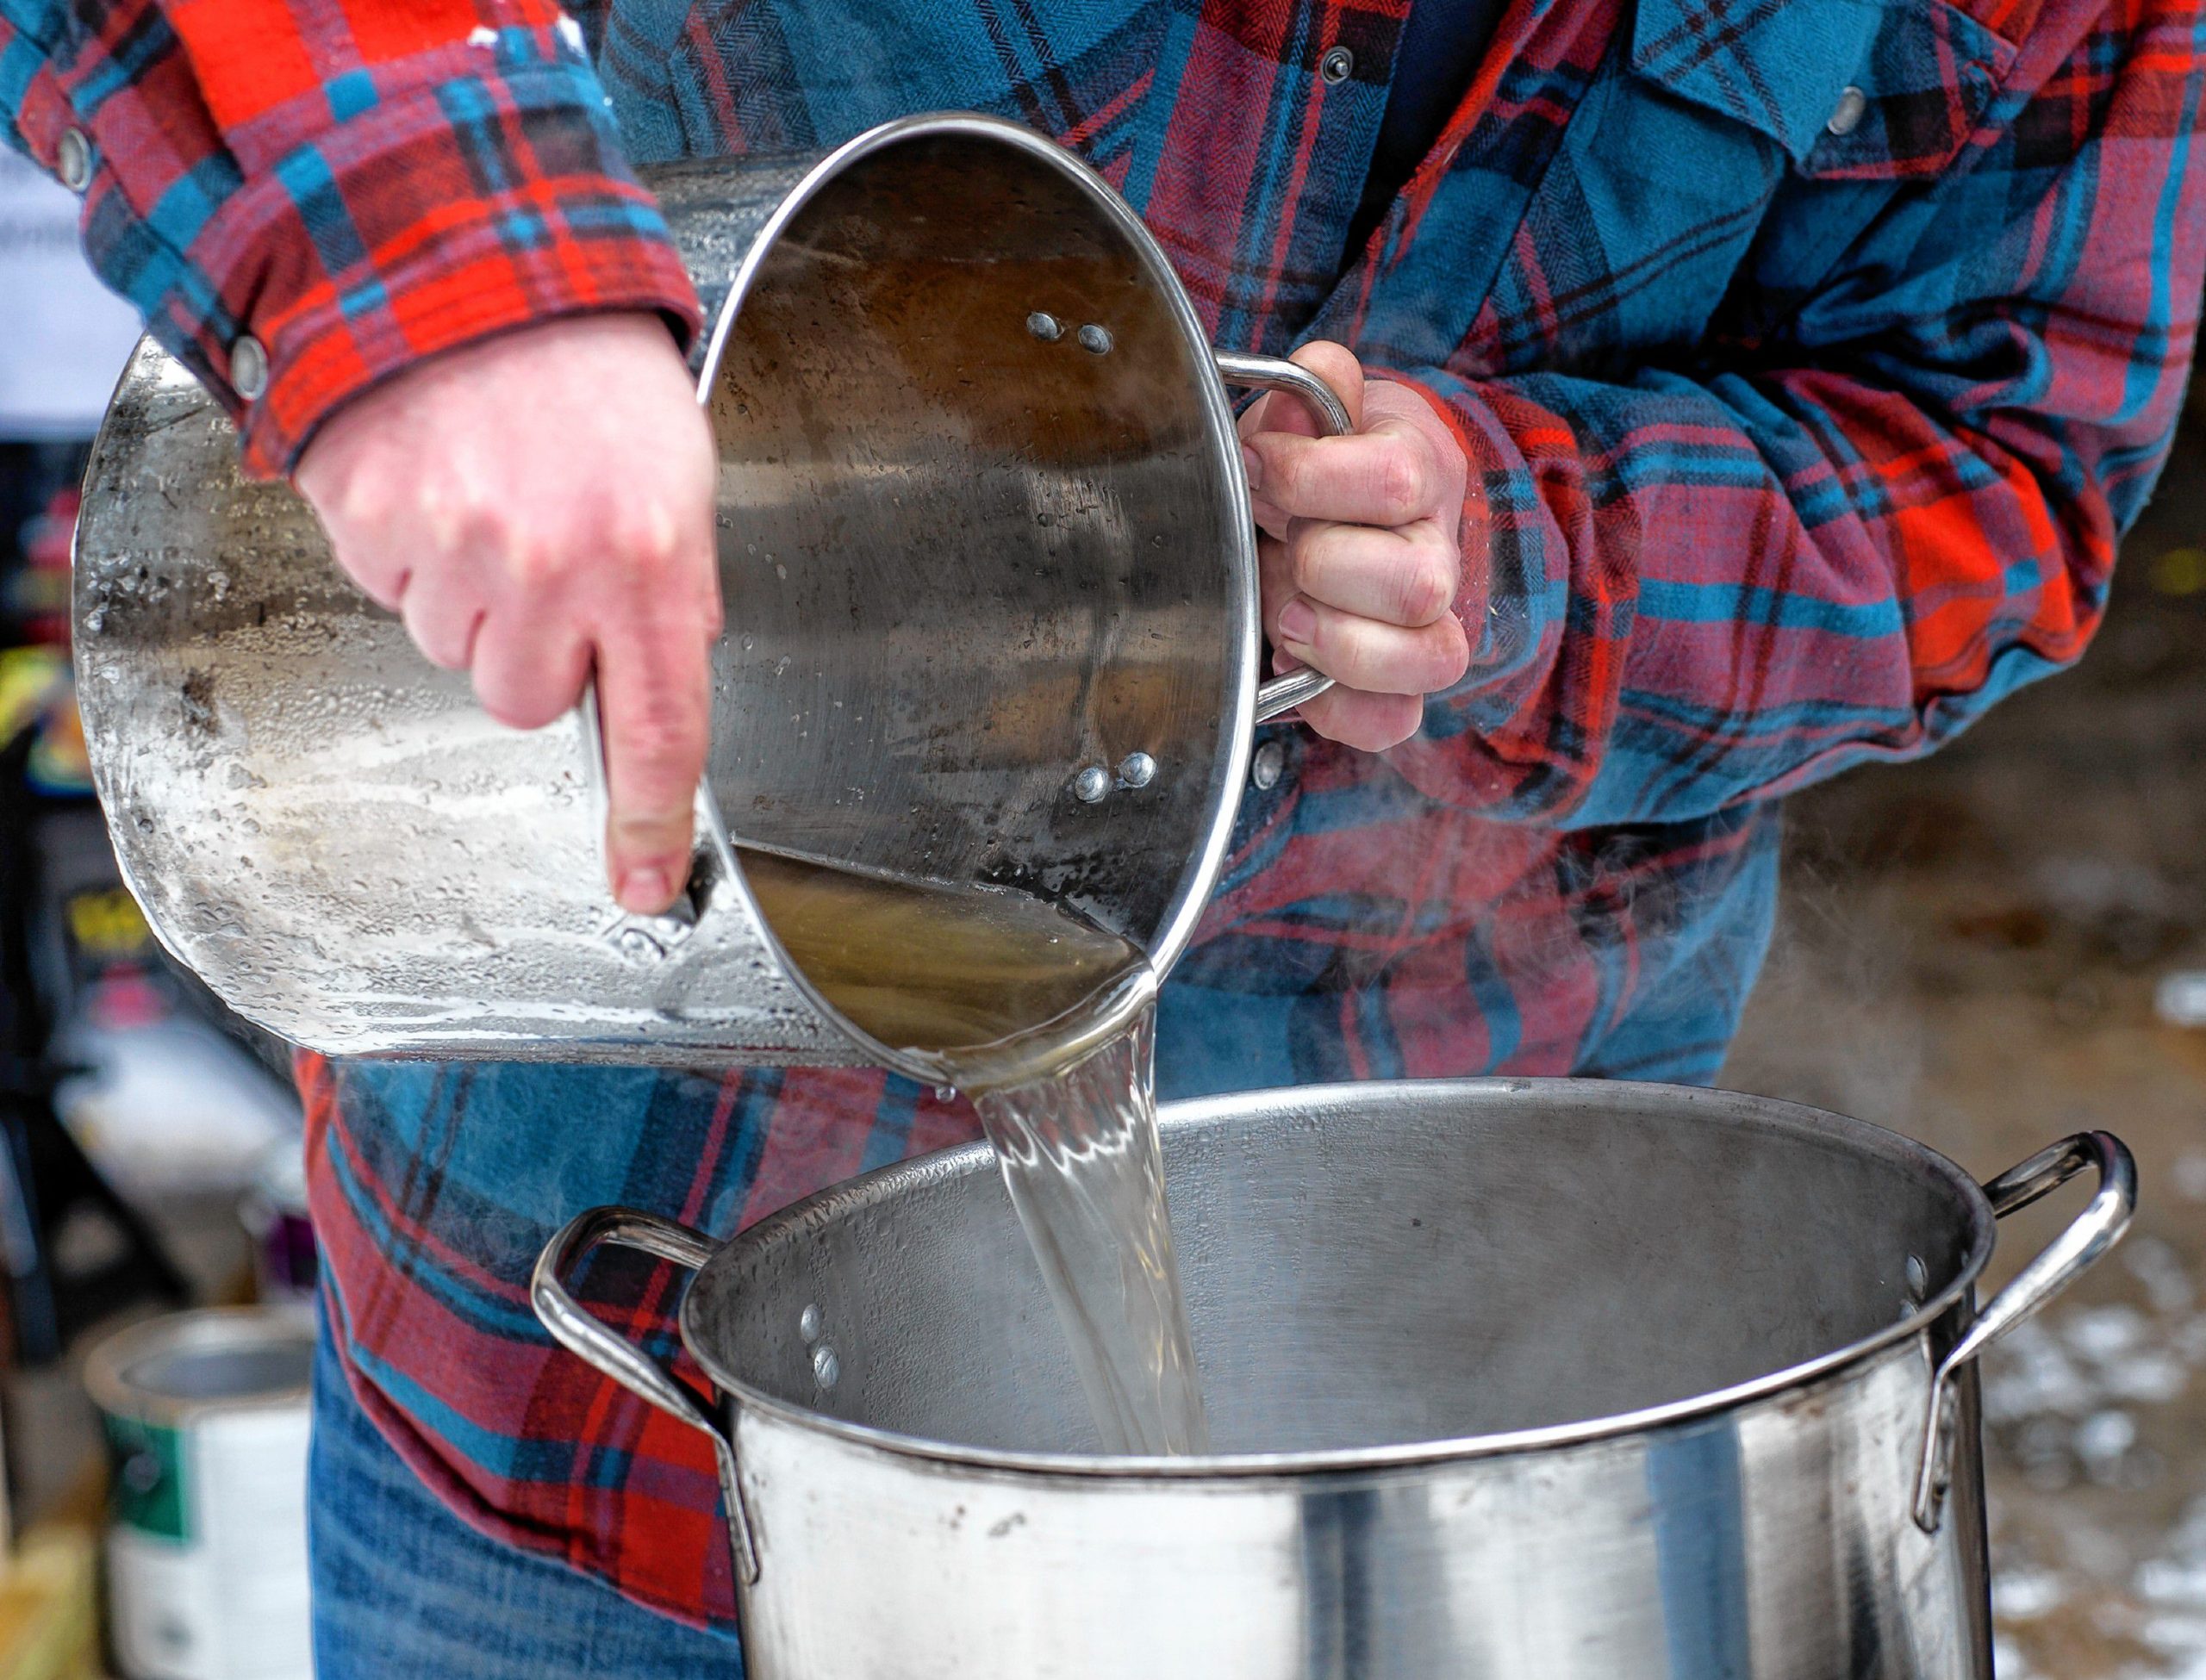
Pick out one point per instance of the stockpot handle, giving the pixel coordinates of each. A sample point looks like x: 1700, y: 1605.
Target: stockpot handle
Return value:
x: 2066, y: 1258
x: 1275, y: 373
x: 591, y: 1341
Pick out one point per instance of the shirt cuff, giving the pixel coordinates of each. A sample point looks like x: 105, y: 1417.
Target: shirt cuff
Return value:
x: 434, y: 217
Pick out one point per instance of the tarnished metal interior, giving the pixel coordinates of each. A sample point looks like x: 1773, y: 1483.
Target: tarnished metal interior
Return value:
x: 1374, y: 1265
x: 966, y: 556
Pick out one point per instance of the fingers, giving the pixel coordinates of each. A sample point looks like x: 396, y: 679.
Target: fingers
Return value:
x: 1283, y: 411
x: 1364, y: 654
x: 1393, y: 475
x: 529, y: 671
x: 1369, y: 722
x: 1405, y: 577
x: 444, y: 615
x: 533, y: 504
x: 654, y: 695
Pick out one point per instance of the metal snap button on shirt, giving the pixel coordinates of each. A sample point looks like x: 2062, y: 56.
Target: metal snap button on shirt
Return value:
x: 1845, y: 115
x: 72, y: 159
x: 249, y: 369
x: 1268, y: 764
x: 1336, y: 67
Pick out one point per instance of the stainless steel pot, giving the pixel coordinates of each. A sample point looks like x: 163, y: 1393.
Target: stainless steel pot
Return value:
x: 993, y: 606
x: 1523, y: 1380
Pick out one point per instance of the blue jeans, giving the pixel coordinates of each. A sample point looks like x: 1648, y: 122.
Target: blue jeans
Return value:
x: 403, y: 1589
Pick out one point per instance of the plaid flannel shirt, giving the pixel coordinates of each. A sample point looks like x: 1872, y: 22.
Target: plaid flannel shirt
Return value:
x: 1812, y: 355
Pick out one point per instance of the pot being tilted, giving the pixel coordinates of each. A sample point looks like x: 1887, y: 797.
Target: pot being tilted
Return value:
x: 992, y: 592
x: 1523, y: 1380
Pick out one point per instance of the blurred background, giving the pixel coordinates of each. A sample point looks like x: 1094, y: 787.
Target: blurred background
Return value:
x: 1988, y: 950
x: 1996, y: 947
x: 149, y: 1142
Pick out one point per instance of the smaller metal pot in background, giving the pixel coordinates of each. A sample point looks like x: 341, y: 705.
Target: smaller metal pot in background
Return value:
x: 206, y: 1420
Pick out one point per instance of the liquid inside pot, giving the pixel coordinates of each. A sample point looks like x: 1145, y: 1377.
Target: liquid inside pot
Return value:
x: 1046, y: 1019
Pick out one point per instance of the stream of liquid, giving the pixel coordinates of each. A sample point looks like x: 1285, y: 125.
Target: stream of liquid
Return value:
x: 1045, y: 1020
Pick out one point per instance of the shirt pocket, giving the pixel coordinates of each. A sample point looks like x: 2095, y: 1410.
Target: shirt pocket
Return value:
x: 1690, y: 177
x: 1921, y: 89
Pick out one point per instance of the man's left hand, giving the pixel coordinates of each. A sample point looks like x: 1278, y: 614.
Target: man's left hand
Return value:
x: 1363, y: 545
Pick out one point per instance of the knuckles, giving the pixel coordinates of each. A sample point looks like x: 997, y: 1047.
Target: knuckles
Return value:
x: 1399, y: 484
x: 1426, y: 585
x: 1449, y: 656
x: 518, y: 710
x: 1369, y: 723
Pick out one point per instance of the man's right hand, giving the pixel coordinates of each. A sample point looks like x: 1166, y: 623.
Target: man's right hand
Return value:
x: 535, y: 506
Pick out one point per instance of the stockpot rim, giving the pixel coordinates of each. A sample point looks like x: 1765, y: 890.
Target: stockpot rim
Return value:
x: 1765, y: 1113
x: 1229, y: 769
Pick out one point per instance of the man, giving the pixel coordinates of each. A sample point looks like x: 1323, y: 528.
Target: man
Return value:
x: 1746, y: 389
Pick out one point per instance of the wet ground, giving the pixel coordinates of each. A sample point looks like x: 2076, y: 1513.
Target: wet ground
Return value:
x: 1972, y: 950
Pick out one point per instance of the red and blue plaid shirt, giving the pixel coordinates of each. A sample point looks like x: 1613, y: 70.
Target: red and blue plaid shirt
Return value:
x: 1813, y: 354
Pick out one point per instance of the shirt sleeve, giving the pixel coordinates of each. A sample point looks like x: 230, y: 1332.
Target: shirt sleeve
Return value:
x: 302, y: 197
x: 1715, y: 583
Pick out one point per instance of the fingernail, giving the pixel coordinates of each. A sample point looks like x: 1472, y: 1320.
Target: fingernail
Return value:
x: 1297, y: 619
x: 1253, y: 464
x: 647, y: 890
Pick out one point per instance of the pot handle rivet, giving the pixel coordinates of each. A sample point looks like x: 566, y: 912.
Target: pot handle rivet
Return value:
x: 2066, y: 1258
x: 595, y: 1343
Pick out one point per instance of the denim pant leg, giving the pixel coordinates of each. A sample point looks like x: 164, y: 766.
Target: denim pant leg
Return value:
x: 403, y: 1589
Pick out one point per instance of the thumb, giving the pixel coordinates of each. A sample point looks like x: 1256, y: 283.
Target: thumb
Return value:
x: 1336, y: 365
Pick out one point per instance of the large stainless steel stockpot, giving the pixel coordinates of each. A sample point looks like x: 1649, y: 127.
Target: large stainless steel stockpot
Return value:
x: 992, y: 597
x: 1517, y: 1380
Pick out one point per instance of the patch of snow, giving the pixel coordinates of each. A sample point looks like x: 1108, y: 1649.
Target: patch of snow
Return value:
x: 2189, y: 1175
x: 2024, y: 1594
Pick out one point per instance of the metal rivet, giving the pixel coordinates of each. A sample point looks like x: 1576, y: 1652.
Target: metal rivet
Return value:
x: 1137, y: 769
x: 825, y: 1368
x: 1095, y: 340
x: 1918, y: 1276
x: 1846, y: 117
x: 808, y: 1323
x: 1045, y: 327
x: 639, y: 946
x: 72, y: 159
x: 249, y: 369
x: 1091, y: 784
x: 1336, y: 67
x: 1268, y: 765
